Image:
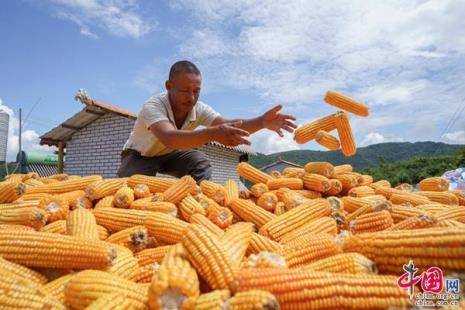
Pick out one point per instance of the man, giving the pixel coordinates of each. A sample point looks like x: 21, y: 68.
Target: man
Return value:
x: 163, y: 136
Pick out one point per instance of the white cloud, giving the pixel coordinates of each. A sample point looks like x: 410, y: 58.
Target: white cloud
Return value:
x: 121, y: 18
x: 375, y: 137
x: 457, y: 137
x: 29, y: 138
x: 268, y: 142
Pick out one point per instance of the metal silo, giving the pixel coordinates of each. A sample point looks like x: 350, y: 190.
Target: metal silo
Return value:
x: 4, y: 121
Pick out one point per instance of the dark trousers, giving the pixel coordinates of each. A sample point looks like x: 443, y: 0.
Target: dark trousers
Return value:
x: 177, y: 163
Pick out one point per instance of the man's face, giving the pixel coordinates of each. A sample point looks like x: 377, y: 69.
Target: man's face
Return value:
x: 184, y: 90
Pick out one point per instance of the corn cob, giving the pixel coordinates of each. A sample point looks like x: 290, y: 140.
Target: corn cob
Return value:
x: 348, y: 181
x: 110, y: 302
x: 10, y: 191
x: 15, y: 178
x: 123, y: 197
x: 150, y: 256
x: 155, y: 184
x: 141, y: 191
x: 125, y: 265
x: 134, y: 238
x: 436, y: 184
x: 259, y: 243
x: 336, y: 187
x: 321, y: 225
x: 316, y: 182
x: 253, y: 300
x: 346, y: 137
x: 441, y: 197
x: 208, y: 257
x: 308, y: 193
x: 322, y: 168
x: 280, y: 208
x: 291, y: 172
x: 65, y: 186
x: 212, y: 300
x: 231, y: 189
x: 15, y: 226
x: 454, y: 213
x: 367, y: 180
x: 415, y: 222
x: 220, y: 216
x: 252, y: 174
x: 381, y: 183
x: 388, y: 191
x: 433, y: 207
x: 205, y: 222
x: 59, y: 177
x: 146, y: 273
x: 165, y: 227
x: 67, y: 196
x: 236, y: 240
x: 250, y: 212
x: 449, y: 223
x: 441, y: 247
x: 370, y: 222
x: 259, y: 189
x: 102, y: 232
x: 30, y: 216
x: 57, y: 209
x: 81, y: 290
x: 175, y: 285
x: 276, y: 174
x: 115, y: 219
x: 327, y: 140
x: 29, y: 248
x: 400, y: 213
x: 268, y: 201
x: 106, y: 202
x: 81, y: 202
x: 33, y: 182
x: 460, y: 194
x: 176, y: 192
x: 335, y: 203
x: 308, y: 249
x: 49, y: 181
x: 266, y: 259
x: 307, y: 132
x: 295, y: 218
x: 291, y: 183
x: 20, y: 271
x: 34, y: 196
x: 147, y: 204
x: 368, y: 208
x: 405, y: 187
x: 190, y: 206
x: 81, y: 223
x: 21, y: 293
x: 103, y: 188
x: 298, y: 289
x: 349, y: 263
x: 346, y: 103
x: 56, y: 287
x: 413, y: 199
x: 351, y: 204
x: 213, y: 191
x: 361, y: 191
x: 292, y: 199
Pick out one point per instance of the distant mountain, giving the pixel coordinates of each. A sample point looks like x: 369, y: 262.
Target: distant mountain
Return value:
x: 366, y: 157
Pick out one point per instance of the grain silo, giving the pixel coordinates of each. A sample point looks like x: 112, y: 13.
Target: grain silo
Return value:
x: 4, y: 122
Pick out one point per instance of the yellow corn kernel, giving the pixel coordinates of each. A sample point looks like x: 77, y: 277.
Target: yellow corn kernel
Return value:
x: 165, y: 227
x: 374, y: 221
x: 29, y: 216
x: 250, y: 212
x: 10, y: 191
x: 254, y: 300
x: 259, y: 243
x: 204, y: 221
x: 176, y: 192
x: 316, y: 182
x: 346, y: 103
x: 291, y: 183
x: 189, y: 206
x: 106, y: 202
x: 155, y: 184
x: 81, y: 223
x: 346, y: 137
x: 322, y: 168
x: 351, y: 263
x: 327, y: 140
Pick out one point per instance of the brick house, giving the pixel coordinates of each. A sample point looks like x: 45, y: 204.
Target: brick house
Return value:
x: 94, y: 138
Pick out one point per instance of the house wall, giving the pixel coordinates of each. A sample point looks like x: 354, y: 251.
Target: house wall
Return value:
x: 278, y: 167
x: 96, y: 149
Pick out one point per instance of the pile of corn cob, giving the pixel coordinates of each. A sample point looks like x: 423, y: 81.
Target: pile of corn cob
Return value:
x: 320, y: 129
x: 320, y: 237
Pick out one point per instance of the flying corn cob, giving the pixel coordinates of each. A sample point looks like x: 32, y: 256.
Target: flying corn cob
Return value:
x: 415, y: 222
x: 33, y: 249
x: 327, y: 140
x: 299, y: 289
x: 370, y: 222
x: 89, y: 285
x: 436, y: 184
x: 10, y: 191
x: 316, y: 182
x: 81, y: 223
x: 259, y: 243
x: 189, y: 206
x: 213, y: 191
x: 165, y: 227
x: 175, y: 285
x: 30, y: 216
x: 307, y: 132
x: 176, y: 192
x: 252, y: 174
x: 346, y: 103
x: 220, y: 216
x: 134, y: 238
x: 346, y: 137
x: 208, y: 257
x: 441, y: 247
x: 295, y: 218
x: 250, y: 212
x: 321, y: 225
x: 204, y: 221
x: 323, y: 168
x: 65, y: 186
x: 351, y: 263
x: 259, y: 189
x: 253, y: 300
x: 268, y: 201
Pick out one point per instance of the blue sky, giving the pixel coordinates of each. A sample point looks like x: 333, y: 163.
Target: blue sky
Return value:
x: 405, y: 59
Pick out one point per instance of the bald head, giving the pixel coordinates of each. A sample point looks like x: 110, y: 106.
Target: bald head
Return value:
x: 183, y: 67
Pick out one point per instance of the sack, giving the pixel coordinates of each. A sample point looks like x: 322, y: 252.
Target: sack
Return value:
x: 456, y: 179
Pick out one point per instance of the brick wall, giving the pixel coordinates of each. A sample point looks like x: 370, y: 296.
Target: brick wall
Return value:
x: 96, y: 149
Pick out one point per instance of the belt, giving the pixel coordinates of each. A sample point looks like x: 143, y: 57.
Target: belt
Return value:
x: 128, y: 151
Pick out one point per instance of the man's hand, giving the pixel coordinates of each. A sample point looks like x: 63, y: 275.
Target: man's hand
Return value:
x: 275, y: 121
x: 230, y: 134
